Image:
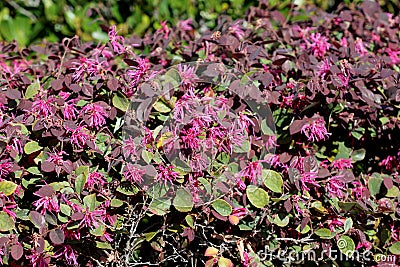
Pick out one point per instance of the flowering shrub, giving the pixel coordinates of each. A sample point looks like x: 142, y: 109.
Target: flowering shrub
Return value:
x: 98, y: 168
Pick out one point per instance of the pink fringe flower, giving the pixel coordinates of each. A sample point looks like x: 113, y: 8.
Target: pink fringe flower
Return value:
x: 324, y: 68
x: 47, y: 203
x: 360, y: 48
x: 319, y: 44
x: 116, y: 41
x: 342, y: 164
x: 80, y: 136
x: 236, y: 30
x: 5, y: 169
x: 188, y: 75
x: 251, y: 172
x: 42, y: 107
x: 336, y: 186
x: 69, y: 111
x: 185, y: 25
x: 95, y: 179
x: 315, y: 131
x: 96, y: 113
x: 133, y: 174
x: 67, y: 253
x: 166, y: 174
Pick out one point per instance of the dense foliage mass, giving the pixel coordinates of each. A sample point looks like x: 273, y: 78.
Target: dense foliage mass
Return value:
x: 72, y: 191
x: 30, y: 21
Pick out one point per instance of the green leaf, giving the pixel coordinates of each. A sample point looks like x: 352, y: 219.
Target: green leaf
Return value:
x: 348, y: 224
x: 280, y: 219
x: 324, y: 233
x: 266, y: 129
x: 89, y: 202
x: 159, y: 206
x: 81, y: 103
x: 172, y: 76
x: 7, y: 187
x: 99, y: 231
x: 384, y: 120
x: 352, y: 207
x: 32, y: 89
x: 120, y: 102
x: 244, y: 148
x: 34, y: 170
x: 206, y: 184
x: 343, y: 151
x: 183, y: 200
x: 273, y: 180
x: 127, y: 190
x: 394, y: 191
x: 103, y: 245
x: 149, y: 236
x: 222, y: 207
x: 160, y: 106
x: 6, y: 222
x: 305, y: 230
x: 318, y: 206
x: 65, y: 209
x: 346, y: 245
x: 224, y: 262
x: 32, y: 147
x: 257, y: 196
x: 358, y: 155
x: 80, y: 182
x: 190, y: 221
x: 374, y: 185
x: 116, y: 203
x: 395, y: 248
x: 147, y: 156
x: 22, y: 214
x: 358, y: 133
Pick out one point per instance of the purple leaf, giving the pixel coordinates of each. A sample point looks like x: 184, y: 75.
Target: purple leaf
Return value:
x: 57, y: 236
x: 45, y: 191
x: 57, y: 84
x: 37, y: 219
x: 17, y: 251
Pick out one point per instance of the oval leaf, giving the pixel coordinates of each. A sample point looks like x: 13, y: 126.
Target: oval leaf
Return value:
x: 37, y: 219
x: 222, y: 207
x: 211, y: 252
x: 273, y: 180
x: 57, y: 236
x: 183, y: 200
x: 395, y: 248
x: 258, y: 197
x: 7, y: 187
x: 32, y: 147
x: 6, y: 222
x: 17, y: 251
x: 120, y: 102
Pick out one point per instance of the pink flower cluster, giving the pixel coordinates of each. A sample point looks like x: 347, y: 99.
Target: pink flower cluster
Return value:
x: 315, y: 130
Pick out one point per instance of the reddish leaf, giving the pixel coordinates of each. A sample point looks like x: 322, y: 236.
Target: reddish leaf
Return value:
x: 45, y: 191
x: 77, y: 216
x: 57, y: 236
x: 37, y: 219
x: 17, y: 251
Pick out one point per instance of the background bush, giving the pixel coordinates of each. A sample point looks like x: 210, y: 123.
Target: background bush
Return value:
x: 33, y: 20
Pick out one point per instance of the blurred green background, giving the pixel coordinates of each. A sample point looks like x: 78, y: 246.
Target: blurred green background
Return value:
x: 29, y: 21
